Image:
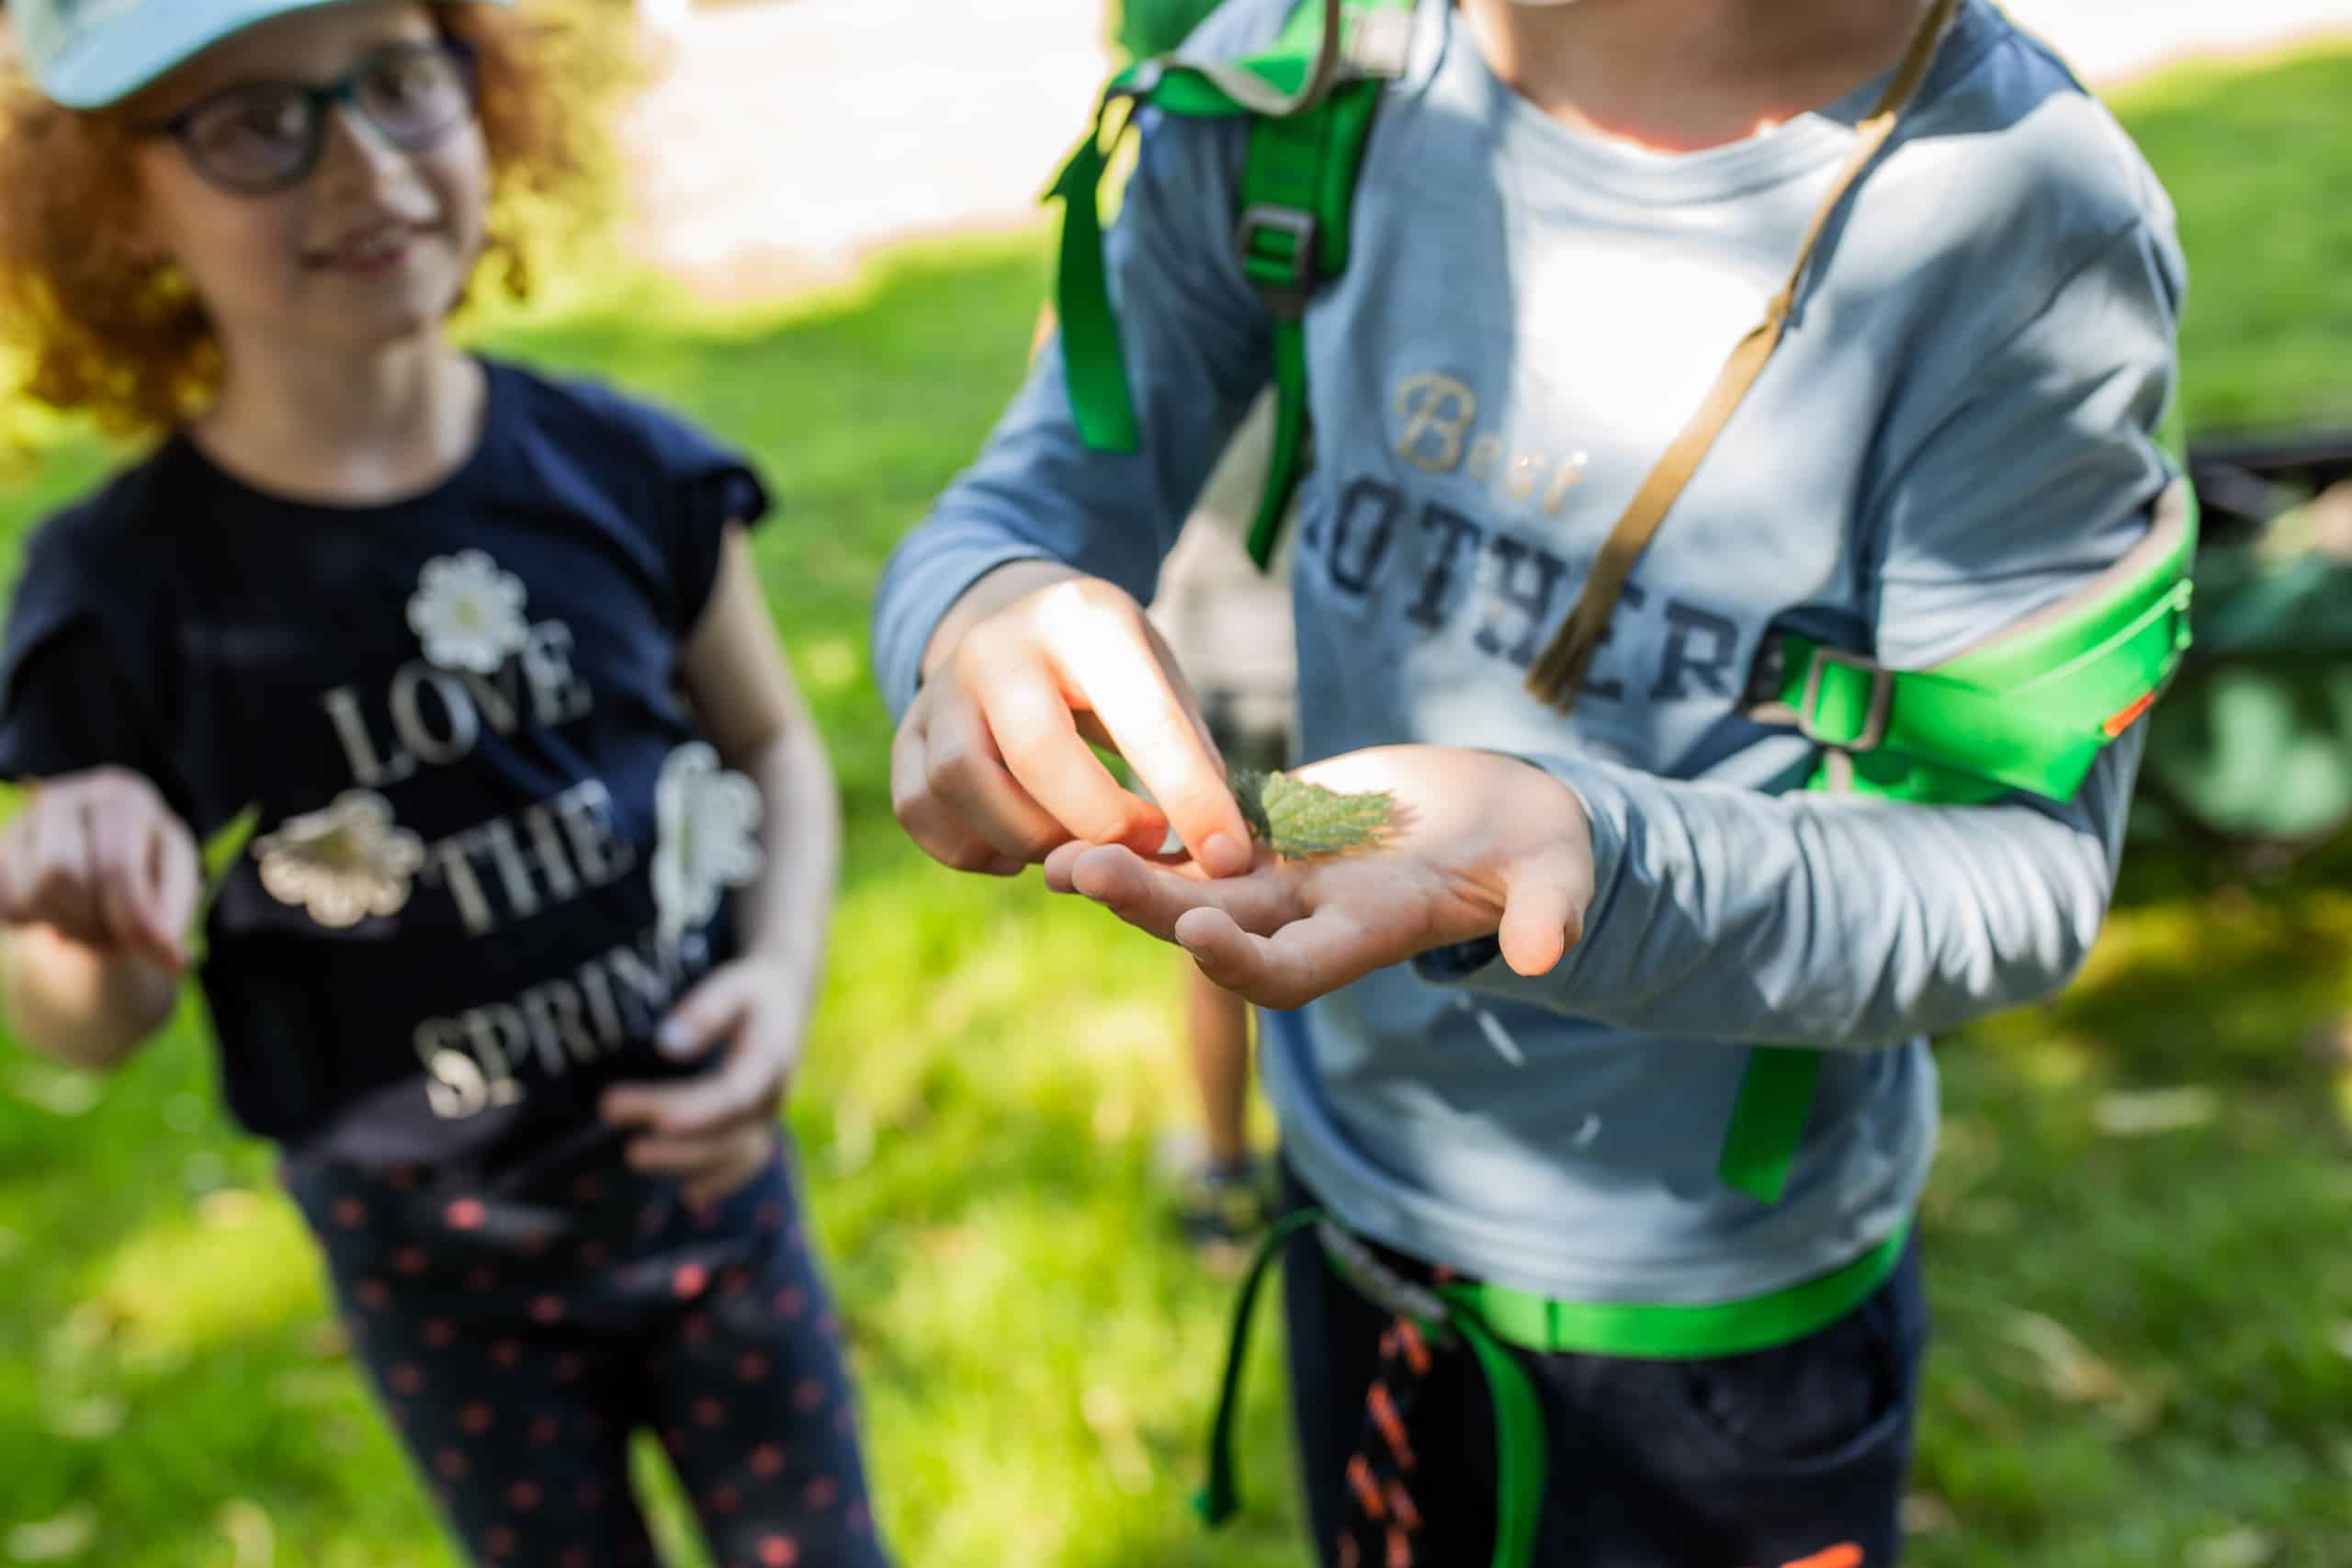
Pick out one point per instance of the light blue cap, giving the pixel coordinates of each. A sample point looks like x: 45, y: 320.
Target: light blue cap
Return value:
x: 88, y: 53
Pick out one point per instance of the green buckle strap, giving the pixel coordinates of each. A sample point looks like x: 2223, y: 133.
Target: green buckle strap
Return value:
x: 1767, y: 1120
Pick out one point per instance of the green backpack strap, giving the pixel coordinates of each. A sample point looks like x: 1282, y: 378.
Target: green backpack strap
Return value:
x: 2030, y: 710
x: 1310, y: 99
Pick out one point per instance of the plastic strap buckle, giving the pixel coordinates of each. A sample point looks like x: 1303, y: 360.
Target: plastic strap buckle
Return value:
x: 1282, y: 280
x: 1873, y: 728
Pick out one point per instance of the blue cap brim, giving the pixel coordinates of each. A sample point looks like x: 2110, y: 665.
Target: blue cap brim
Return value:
x: 115, y: 59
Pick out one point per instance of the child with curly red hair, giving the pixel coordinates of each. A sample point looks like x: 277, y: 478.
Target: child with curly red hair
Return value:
x: 538, y: 838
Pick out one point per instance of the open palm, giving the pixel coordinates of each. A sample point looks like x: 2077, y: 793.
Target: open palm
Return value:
x: 1482, y: 844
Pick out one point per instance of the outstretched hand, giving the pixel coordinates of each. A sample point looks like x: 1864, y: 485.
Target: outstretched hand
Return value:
x: 1479, y: 845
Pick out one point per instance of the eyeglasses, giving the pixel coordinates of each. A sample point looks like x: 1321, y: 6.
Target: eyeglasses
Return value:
x: 260, y: 137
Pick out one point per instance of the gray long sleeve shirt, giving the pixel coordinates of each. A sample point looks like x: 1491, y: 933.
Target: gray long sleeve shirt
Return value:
x: 1956, y: 432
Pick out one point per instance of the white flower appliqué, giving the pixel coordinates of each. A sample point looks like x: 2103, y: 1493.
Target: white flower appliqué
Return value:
x: 469, y: 613
x: 343, y: 863
x: 708, y: 819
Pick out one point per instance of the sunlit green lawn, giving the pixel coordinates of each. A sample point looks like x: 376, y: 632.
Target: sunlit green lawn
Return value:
x: 2147, y: 1350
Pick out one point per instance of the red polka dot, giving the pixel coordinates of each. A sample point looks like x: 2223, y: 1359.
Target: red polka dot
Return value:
x: 350, y: 1214
x: 792, y: 1301
x: 405, y: 1379
x: 545, y: 1429
x: 440, y: 1334
x: 474, y: 1420
x: 547, y: 1309
x: 778, y: 1552
x: 573, y: 1557
x: 723, y: 1499
x: 674, y: 1439
x: 465, y: 1213
x: 822, y: 1493
x: 506, y: 1354
x: 373, y: 1294
x: 523, y: 1496
x: 698, y: 1328
x: 809, y: 1394
x: 752, y: 1367
x: 410, y: 1260
x: 482, y: 1277
x: 400, y: 1179
x: 734, y: 1281
x: 595, y: 1255
x: 709, y: 1413
x: 451, y: 1463
x: 689, y: 1280
x: 532, y: 1247
x: 767, y: 1459
x: 568, y: 1367
x: 498, y: 1540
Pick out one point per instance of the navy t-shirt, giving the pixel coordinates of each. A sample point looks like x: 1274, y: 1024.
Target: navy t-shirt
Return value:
x: 472, y: 892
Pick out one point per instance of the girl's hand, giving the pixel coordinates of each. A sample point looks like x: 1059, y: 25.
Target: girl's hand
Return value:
x: 1481, y: 844
x: 715, y: 1132
x: 991, y: 770
x: 98, y: 857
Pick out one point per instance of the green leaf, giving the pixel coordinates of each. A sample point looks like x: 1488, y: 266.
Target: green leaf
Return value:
x: 220, y: 855
x: 1302, y: 822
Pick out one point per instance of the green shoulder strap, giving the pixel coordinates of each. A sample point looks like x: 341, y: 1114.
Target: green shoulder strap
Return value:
x: 1310, y: 99
x: 2030, y: 710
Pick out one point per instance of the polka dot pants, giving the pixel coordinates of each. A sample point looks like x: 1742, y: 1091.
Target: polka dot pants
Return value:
x: 517, y: 1336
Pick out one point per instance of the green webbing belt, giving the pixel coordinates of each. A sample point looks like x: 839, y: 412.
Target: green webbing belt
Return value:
x: 1491, y: 1319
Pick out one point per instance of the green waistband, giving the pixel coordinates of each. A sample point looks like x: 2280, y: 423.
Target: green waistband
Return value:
x: 1488, y: 1317
x: 1728, y: 1328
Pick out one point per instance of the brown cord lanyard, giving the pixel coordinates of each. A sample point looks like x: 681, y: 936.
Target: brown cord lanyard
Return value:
x: 1558, y: 675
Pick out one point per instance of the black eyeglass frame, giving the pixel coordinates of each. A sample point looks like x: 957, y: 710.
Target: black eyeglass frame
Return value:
x: 322, y: 99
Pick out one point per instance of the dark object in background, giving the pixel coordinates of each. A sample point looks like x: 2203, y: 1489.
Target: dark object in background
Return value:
x: 2250, y: 751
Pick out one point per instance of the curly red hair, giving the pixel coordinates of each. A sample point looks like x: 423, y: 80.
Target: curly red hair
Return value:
x: 97, y: 327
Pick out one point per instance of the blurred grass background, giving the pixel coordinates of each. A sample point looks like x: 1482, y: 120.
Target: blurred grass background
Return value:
x: 2134, y: 1235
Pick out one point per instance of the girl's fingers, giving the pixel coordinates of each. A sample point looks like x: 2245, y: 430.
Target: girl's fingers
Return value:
x: 176, y: 887
x: 64, y: 873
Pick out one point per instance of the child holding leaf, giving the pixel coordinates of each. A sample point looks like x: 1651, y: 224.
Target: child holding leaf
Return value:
x: 1599, y: 1052
x: 516, y: 961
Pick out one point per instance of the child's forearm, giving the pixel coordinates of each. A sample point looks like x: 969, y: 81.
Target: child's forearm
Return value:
x: 786, y: 909
x: 78, y: 1005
